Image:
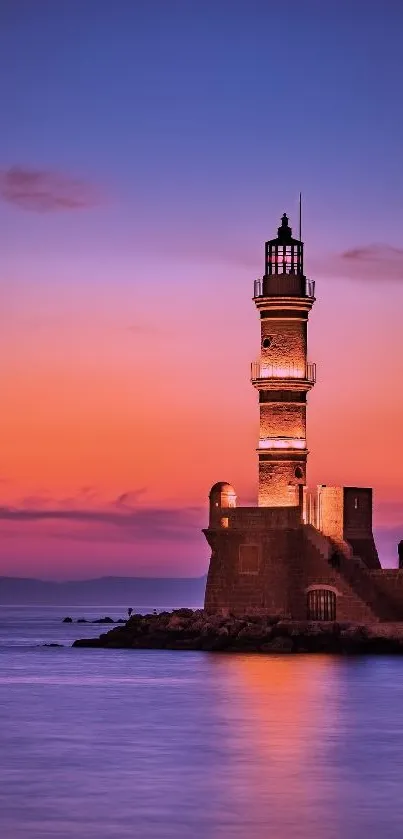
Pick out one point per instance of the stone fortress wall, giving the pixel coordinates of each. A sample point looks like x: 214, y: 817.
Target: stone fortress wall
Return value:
x: 268, y: 559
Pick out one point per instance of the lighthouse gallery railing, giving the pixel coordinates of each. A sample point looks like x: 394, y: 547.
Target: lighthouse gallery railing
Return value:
x: 261, y: 370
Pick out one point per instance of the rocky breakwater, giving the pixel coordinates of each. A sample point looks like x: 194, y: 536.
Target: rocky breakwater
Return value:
x: 185, y: 629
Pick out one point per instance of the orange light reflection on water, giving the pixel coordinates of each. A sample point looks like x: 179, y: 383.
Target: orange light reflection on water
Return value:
x: 282, y: 715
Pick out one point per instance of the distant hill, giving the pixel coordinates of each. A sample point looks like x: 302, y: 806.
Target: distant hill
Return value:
x: 105, y: 591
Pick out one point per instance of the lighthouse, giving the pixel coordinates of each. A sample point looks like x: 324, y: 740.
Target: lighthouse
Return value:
x: 284, y: 557
x: 282, y: 375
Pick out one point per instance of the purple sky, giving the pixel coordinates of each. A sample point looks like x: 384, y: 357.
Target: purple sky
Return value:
x: 148, y: 150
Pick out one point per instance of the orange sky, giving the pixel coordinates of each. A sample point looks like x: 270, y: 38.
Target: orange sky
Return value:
x: 113, y: 389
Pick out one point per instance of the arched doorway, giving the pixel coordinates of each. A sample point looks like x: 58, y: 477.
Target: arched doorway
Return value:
x: 321, y: 605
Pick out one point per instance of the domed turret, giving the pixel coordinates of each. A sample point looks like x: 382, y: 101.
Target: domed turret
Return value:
x: 222, y: 495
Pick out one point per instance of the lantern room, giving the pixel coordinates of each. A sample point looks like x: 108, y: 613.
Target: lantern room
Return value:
x: 284, y: 255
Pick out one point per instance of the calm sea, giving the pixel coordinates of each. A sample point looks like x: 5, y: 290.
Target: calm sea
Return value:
x: 98, y: 744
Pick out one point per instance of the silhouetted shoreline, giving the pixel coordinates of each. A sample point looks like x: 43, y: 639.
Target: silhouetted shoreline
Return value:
x: 185, y: 629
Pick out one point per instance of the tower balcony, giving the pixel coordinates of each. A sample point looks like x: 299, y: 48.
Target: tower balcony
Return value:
x: 271, y: 443
x: 284, y: 285
x: 263, y: 372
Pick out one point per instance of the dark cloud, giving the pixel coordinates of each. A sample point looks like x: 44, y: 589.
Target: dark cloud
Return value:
x: 45, y: 191
x: 136, y: 522
x: 369, y: 261
x: 126, y: 499
x: 376, y: 253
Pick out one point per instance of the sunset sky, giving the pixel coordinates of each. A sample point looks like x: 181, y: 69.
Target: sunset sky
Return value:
x: 148, y: 149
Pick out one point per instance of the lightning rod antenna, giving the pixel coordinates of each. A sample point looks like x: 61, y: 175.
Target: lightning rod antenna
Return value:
x: 300, y: 217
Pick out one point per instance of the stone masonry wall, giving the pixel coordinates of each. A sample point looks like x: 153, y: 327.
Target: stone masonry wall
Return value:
x: 330, y: 501
x: 390, y: 581
x: 357, y: 523
x: 277, y: 482
x: 357, y: 502
x: 229, y: 589
x: 255, y: 568
x: 263, y: 518
x: 289, y: 563
x: 282, y: 420
x: 288, y: 342
x: 318, y: 571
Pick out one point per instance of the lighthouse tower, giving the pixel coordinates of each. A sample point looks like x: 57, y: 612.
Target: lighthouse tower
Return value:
x: 282, y: 375
x: 316, y: 561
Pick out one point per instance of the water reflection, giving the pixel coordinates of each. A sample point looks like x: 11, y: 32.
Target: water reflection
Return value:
x: 164, y: 745
x: 281, y: 721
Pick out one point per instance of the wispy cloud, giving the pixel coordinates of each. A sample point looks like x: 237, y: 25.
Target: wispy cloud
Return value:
x: 46, y: 191
x: 122, y: 515
x: 368, y: 261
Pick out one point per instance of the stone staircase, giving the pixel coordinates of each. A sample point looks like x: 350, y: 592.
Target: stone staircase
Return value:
x: 354, y: 572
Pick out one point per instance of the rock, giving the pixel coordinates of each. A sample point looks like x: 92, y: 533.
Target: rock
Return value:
x: 234, y: 626
x: 89, y: 642
x: 67, y: 620
x: 175, y: 622
x: 82, y: 620
x: 103, y: 620
x: 197, y: 626
x: 251, y: 636
x: 220, y: 641
x: 184, y: 629
x: 52, y: 645
x: 353, y: 639
x: 281, y: 644
x: 184, y: 613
